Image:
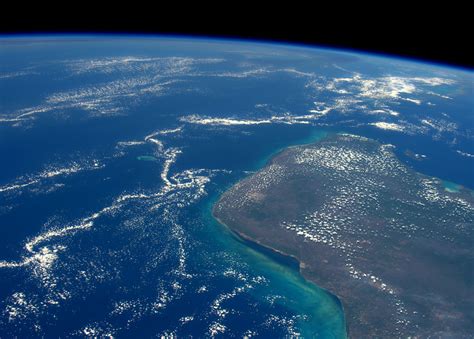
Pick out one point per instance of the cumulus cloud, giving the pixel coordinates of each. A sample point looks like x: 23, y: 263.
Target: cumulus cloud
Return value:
x: 388, y: 126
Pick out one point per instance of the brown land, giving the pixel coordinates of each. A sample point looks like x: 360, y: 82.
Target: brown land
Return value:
x: 392, y: 244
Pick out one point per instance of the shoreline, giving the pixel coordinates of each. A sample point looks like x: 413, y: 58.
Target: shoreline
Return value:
x: 242, y: 236
x: 351, y: 324
x: 301, y: 264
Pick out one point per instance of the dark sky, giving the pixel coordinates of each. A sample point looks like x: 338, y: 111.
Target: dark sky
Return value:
x: 437, y: 34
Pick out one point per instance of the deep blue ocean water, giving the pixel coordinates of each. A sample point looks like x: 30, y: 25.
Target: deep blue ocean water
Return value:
x: 99, y: 238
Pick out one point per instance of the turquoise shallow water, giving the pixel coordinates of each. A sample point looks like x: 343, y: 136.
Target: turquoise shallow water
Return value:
x: 146, y: 158
x: 130, y: 259
x: 451, y: 186
x: 320, y: 313
x: 312, y: 136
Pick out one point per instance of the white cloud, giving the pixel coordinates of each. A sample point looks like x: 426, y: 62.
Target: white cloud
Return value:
x: 196, y: 119
x: 388, y: 126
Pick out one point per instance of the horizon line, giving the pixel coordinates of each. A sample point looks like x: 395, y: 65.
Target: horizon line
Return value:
x: 230, y: 38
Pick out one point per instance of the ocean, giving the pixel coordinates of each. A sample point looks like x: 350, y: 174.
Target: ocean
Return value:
x: 112, y: 158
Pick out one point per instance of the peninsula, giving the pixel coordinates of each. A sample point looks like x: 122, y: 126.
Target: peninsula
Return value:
x: 392, y: 244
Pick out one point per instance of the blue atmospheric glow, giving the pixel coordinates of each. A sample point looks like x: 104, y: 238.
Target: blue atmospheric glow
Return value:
x: 114, y: 148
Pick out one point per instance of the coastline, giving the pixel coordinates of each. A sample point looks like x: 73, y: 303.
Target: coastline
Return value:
x: 311, y: 139
x: 242, y: 236
x: 350, y: 324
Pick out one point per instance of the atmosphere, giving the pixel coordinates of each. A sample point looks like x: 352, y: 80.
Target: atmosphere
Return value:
x: 155, y: 185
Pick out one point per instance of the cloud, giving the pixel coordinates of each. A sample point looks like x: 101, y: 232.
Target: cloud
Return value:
x: 388, y: 126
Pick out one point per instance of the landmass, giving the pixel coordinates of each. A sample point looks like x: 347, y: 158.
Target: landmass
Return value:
x: 392, y: 244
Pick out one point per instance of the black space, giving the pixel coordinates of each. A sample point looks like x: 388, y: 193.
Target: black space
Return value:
x: 434, y: 33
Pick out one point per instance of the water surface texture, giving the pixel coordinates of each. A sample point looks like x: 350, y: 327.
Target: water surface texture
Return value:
x: 114, y: 150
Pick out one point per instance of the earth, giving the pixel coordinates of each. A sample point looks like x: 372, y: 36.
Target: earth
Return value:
x: 125, y: 159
